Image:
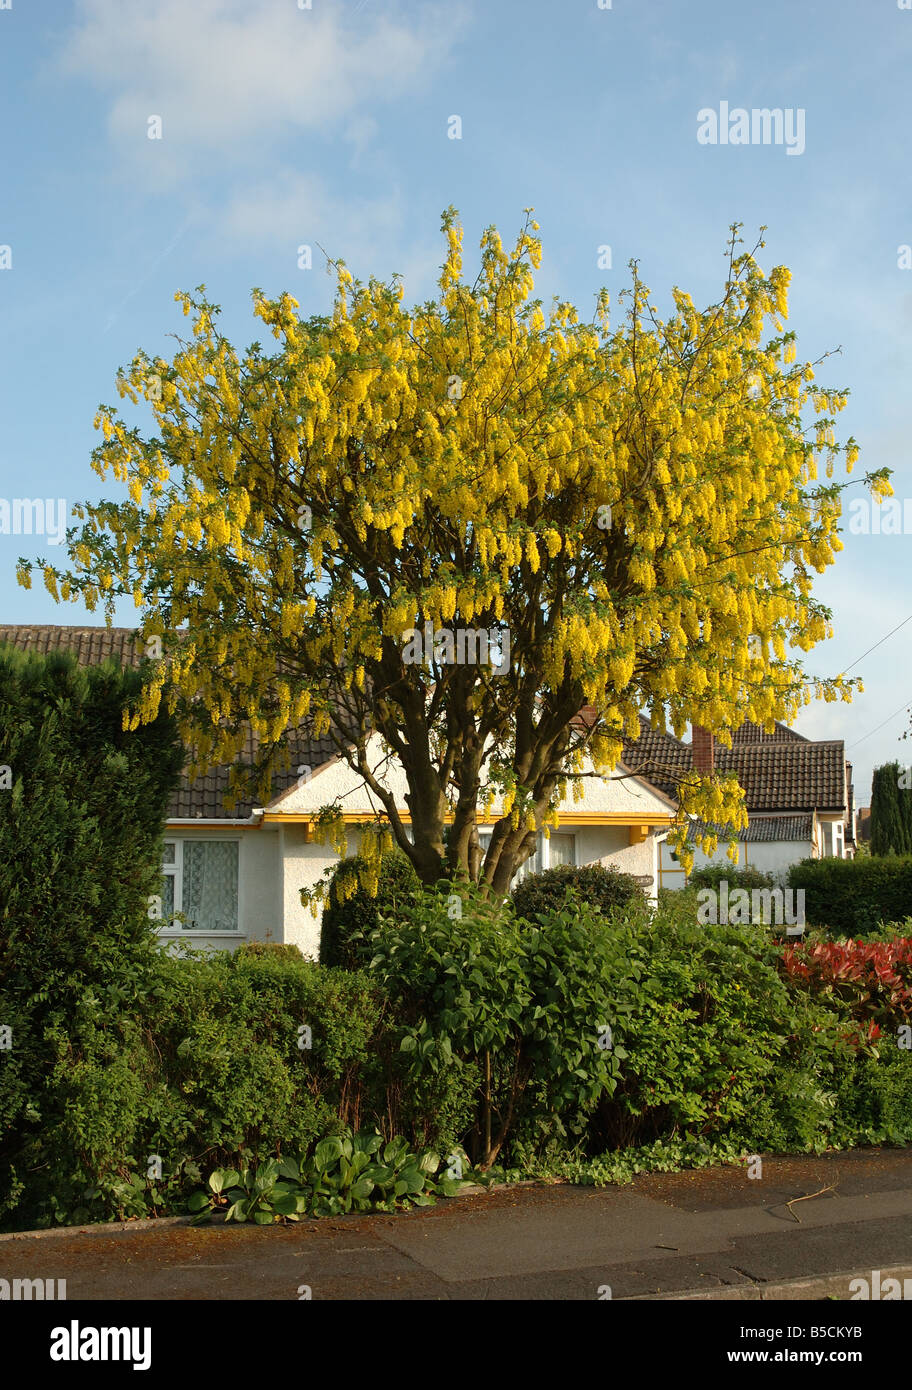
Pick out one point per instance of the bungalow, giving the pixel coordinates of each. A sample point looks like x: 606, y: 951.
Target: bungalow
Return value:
x: 798, y: 793
x: 237, y: 875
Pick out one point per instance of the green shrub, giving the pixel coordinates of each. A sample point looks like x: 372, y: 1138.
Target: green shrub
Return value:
x: 703, y: 1019
x: 275, y: 949
x: 874, y: 1096
x: 712, y: 875
x: 472, y: 984
x: 214, y: 1058
x: 351, y: 917
x: 835, y: 1096
x: 604, y: 889
x: 80, y: 856
x: 853, y: 897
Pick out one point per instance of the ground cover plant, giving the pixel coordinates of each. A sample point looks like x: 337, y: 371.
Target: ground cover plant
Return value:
x: 344, y: 1173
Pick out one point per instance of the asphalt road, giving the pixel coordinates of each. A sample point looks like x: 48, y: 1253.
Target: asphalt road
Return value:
x: 713, y: 1231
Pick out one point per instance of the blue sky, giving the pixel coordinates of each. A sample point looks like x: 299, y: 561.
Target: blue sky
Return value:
x: 327, y: 126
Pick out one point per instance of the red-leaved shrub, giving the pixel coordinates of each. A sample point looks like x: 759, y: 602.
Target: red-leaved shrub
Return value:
x: 871, y: 979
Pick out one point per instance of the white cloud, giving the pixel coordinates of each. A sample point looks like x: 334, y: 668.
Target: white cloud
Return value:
x: 373, y: 235
x: 226, y: 76
x: 290, y: 207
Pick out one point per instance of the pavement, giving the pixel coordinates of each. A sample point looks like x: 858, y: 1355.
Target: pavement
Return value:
x: 706, y: 1234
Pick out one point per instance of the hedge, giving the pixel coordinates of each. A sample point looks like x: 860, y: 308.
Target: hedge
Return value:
x: 854, y: 896
x: 82, y: 814
x: 215, y: 1060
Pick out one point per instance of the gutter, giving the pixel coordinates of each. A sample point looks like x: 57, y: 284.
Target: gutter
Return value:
x: 188, y: 822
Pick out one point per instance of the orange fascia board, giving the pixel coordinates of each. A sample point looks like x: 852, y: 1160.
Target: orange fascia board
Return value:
x: 652, y: 820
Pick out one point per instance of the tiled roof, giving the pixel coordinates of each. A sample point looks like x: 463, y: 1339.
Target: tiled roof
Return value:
x: 763, y: 829
x: 755, y: 733
x: 786, y: 774
x: 90, y: 645
x: 204, y: 799
x: 657, y: 757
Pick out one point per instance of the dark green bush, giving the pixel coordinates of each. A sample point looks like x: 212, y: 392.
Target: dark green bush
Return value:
x: 874, y: 1096
x: 853, y: 897
x: 604, y: 889
x: 833, y: 1095
x: 275, y: 949
x: 351, y: 918
x: 214, y: 1058
x: 81, y: 827
x: 80, y: 856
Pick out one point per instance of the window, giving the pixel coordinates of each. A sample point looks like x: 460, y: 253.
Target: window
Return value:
x: 563, y: 849
x: 201, y: 882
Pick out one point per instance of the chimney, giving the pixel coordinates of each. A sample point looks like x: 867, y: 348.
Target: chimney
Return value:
x: 703, y: 749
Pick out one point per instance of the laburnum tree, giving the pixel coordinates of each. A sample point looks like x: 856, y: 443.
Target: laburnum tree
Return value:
x: 632, y: 513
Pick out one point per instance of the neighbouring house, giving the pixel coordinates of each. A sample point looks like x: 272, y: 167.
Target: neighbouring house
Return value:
x: 236, y: 875
x: 798, y: 793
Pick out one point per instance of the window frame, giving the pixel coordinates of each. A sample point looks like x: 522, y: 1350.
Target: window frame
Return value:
x: 175, y: 871
x: 572, y: 837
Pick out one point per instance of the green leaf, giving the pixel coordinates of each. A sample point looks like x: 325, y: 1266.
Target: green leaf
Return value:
x: 451, y: 1187
x: 394, y: 1151
x: 327, y: 1153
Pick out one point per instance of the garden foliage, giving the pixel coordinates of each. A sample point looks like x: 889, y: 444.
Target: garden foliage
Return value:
x: 603, y: 888
x: 852, y: 897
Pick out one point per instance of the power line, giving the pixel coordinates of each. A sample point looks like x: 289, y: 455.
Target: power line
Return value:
x: 876, y: 645
x: 905, y: 705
